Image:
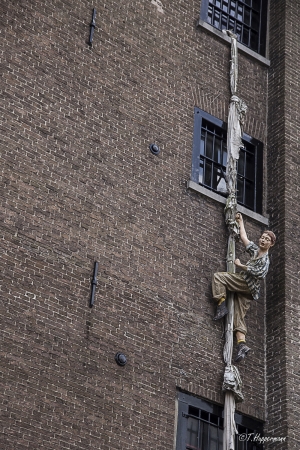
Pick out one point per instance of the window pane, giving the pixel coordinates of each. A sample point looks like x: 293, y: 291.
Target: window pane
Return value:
x: 201, y: 168
x: 240, y: 190
x: 221, y: 186
x: 217, y: 152
x: 218, y: 3
x: 214, y: 419
x: 207, y: 176
x: 247, y: 16
x: 241, y: 429
x: 240, y: 12
x: 240, y: 445
x: 192, y: 432
x: 232, y: 8
x: 254, y: 40
x: 217, y: 19
x: 256, y: 4
x: 255, y: 21
x: 216, y: 177
x: 209, y: 18
x: 245, y: 38
x: 250, y: 166
x: 231, y: 25
x: 209, y: 146
x: 224, y: 161
x: 204, y: 415
x: 249, y: 194
x: 193, y: 411
x: 248, y: 2
x: 204, y: 435
x: 238, y: 31
x: 224, y: 22
x: 209, y: 126
x: 225, y: 6
x: 241, y: 163
x: 202, y: 145
x: 214, y: 439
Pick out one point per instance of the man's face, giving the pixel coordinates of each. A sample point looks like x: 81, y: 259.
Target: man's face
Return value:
x: 265, y: 242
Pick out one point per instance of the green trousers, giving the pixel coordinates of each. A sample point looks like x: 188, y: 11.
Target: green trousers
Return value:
x: 234, y: 282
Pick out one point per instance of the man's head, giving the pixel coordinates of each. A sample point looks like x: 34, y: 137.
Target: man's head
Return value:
x: 267, y: 240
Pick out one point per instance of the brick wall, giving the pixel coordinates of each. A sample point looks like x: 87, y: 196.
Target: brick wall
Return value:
x: 282, y: 310
x: 78, y: 185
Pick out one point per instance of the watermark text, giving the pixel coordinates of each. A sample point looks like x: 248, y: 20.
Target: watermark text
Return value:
x: 256, y: 437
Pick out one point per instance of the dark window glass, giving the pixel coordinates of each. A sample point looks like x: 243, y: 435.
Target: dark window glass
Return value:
x: 216, y: 20
x: 247, y: 16
x: 200, y: 426
x: 250, y: 164
x: 209, y: 18
x: 224, y: 22
x: 193, y: 432
x: 238, y: 31
x: 241, y: 163
x: 240, y: 13
x: 204, y: 415
x: 256, y: 4
x: 255, y: 21
x: 245, y: 38
x: 254, y: 40
x: 231, y: 24
x: 232, y: 9
x: 210, y: 159
x: 236, y: 15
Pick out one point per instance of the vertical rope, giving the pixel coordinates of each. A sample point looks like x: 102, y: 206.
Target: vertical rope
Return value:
x: 237, y: 110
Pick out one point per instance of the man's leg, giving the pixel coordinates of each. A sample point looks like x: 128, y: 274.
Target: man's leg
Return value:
x: 219, y: 284
x: 242, y: 303
x: 242, y: 299
x: 232, y: 282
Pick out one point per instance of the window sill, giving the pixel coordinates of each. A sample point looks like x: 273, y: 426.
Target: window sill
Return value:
x: 247, y: 212
x: 240, y: 46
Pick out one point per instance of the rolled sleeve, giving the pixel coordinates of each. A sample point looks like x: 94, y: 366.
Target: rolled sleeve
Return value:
x: 252, y: 248
x: 259, y: 269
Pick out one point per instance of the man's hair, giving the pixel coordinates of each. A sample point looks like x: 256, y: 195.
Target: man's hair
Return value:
x: 271, y: 235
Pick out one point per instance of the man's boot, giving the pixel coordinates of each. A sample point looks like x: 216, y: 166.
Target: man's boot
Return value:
x: 221, y: 311
x: 242, y: 351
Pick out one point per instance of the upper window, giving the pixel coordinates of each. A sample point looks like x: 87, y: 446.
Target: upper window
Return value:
x: 246, y: 18
x: 210, y: 159
x: 200, y: 426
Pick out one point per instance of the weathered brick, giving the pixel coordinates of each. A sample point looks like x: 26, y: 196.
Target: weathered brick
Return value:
x: 78, y: 184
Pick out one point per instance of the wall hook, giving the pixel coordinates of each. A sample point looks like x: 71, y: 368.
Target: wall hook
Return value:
x: 94, y: 284
x: 92, y: 27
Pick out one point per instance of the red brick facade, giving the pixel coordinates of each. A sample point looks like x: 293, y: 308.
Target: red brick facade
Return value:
x: 79, y: 184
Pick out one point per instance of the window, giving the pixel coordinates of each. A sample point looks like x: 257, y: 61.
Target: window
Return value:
x: 200, y: 426
x: 210, y: 159
x: 246, y: 18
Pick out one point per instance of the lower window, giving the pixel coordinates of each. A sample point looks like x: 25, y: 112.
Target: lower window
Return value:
x: 200, y: 426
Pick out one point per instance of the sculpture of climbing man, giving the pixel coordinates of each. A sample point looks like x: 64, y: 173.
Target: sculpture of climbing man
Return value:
x: 245, y: 285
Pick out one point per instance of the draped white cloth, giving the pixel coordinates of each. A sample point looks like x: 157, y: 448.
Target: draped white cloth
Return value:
x: 229, y: 423
x: 237, y: 111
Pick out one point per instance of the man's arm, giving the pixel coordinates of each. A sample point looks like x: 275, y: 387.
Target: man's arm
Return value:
x: 243, y: 233
x: 238, y: 263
